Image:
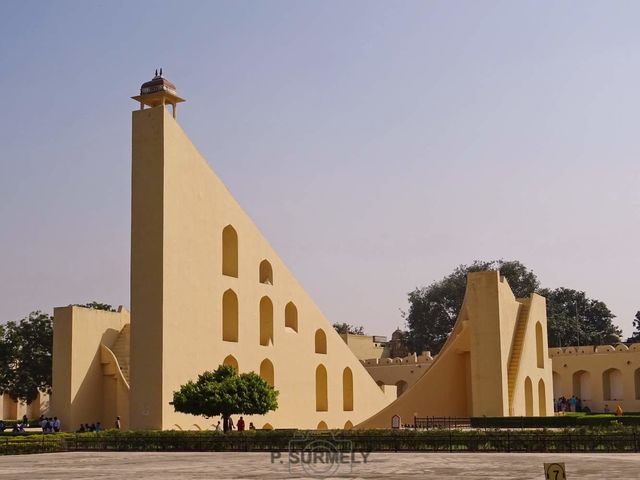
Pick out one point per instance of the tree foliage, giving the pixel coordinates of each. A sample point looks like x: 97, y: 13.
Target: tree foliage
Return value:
x: 225, y: 392
x: 25, y: 356
x: 575, y: 319
x: 97, y: 306
x: 433, y: 310
x: 347, y: 328
x: 635, y: 336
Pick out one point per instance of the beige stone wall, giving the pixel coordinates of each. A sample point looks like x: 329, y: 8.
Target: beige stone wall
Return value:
x: 78, y: 377
x: 399, y: 372
x: 601, y: 375
x: 364, y: 346
x: 180, y: 208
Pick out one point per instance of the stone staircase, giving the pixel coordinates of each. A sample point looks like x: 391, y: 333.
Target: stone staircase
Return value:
x: 516, y: 348
x: 121, y: 350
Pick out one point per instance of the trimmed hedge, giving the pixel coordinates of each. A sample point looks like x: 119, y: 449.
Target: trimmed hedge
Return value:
x: 616, y: 438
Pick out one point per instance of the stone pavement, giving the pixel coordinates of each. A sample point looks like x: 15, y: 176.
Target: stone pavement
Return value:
x: 173, y: 466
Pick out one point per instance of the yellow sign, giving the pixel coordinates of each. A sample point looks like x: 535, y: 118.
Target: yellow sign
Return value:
x: 554, y: 471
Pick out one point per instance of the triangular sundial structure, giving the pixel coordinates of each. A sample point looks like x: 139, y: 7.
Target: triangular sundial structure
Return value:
x: 207, y: 289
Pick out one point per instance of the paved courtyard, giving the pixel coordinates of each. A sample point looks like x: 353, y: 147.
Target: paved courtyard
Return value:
x: 165, y: 466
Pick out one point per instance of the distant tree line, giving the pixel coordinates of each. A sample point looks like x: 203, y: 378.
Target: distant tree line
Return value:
x: 572, y: 317
x: 347, y: 328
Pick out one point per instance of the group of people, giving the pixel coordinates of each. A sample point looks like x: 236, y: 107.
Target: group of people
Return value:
x: 574, y: 404
x: 47, y: 424
x: 240, y: 426
x: 18, y: 427
x: 96, y: 427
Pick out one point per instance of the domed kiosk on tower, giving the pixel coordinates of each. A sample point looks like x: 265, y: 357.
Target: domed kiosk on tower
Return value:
x: 158, y: 91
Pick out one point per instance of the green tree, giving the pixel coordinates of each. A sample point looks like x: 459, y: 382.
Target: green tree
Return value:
x: 575, y: 319
x: 433, y: 310
x: 225, y: 392
x: 347, y: 328
x: 635, y: 336
x: 25, y: 357
x: 97, y: 306
x: 4, y: 360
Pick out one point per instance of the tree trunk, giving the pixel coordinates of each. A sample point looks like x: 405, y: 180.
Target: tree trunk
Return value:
x: 225, y: 423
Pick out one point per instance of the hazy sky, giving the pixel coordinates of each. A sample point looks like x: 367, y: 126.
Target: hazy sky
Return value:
x: 377, y: 145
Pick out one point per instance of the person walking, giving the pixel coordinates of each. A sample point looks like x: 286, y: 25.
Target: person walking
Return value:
x: 240, y: 424
x: 118, y: 425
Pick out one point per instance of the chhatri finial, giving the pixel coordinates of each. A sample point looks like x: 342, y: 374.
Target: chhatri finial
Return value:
x: 158, y: 91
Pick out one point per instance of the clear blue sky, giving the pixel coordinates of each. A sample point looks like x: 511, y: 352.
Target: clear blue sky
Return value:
x: 376, y: 144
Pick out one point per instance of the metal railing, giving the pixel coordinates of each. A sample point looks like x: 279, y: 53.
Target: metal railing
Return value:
x: 442, y: 422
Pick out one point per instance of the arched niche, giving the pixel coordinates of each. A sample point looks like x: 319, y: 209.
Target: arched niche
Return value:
x: 231, y: 361
x: 266, y: 321
x: 291, y: 316
x: 230, y: 251
x: 322, y: 397
x: 267, y: 372
x: 266, y: 272
x: 230, y: 316
x: 347, y: 390
x: 321, y: 341
x: 528, y: 397
x: 539, y: 345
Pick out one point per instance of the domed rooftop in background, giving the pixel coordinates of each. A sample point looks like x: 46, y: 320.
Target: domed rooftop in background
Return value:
x: 157, y: 84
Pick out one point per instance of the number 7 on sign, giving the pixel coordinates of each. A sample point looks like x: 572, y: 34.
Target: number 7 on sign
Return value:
x: 554, y: 471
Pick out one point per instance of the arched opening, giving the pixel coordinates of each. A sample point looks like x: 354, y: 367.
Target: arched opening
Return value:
x: 230, y: 316
x: 347, y: 390
x: 612, y: 384
x: 291, y: 316
x: 266, y: 372
x: 322, y: 426
x: 348, y: 425
x: 557, y: 386
x: 401, y: 387
x: 266, y: 321
x: 322, y: 400
x: 528, y: 397
x: 266, y: 272
x: 231, y: 361
x: 542, y: 399
x: 321, y: 341
x: 636, y: 381
x: 582, y: 385
x: 229, y: 251
x: 267, y: 426
x: 539, y: 345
